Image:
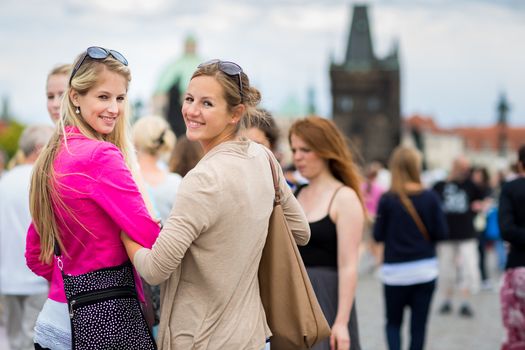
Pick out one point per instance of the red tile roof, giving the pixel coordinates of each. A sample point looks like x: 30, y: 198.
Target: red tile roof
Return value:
x: 489, y: 137
x: 476, y: 138
x: 423, y: 123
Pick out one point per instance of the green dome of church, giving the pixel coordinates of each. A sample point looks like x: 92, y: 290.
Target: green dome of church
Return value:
x: 180, y: 71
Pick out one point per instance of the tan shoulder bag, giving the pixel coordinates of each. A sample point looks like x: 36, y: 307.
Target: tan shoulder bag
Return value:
x: 292, y: 310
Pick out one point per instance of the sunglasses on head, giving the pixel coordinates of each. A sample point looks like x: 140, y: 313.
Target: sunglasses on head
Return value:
x: 97, y: 53
x: 229, y: 68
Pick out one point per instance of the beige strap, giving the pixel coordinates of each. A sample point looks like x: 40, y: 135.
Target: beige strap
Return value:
x: 407, y: 203
x: 275, y: 177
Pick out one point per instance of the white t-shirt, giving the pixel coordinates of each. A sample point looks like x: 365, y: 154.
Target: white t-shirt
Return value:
x: 409, y: 273
x: 15, y: 276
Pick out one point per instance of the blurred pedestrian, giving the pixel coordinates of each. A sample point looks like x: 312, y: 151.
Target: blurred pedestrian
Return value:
x: 458, y: 255
x: 154, y: 140
x: 334, y: 208
x: 409, y: 221
x: 480, y: 177
x: 372, y: 192
x: 24, y: 293
x: 209, y: 250
x: 265, y: 131
x: 512, y: 226
x: 56, y: 85
x: 82, y: 196
x: 185, y: 156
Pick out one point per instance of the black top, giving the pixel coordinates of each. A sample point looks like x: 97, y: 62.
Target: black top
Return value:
x: 457, y: 198
x: 511, y: 219
x: 404, y: 241
x: 321, y: 250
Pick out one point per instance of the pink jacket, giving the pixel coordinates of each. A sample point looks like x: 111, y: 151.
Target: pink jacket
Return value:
x: 97, y: 187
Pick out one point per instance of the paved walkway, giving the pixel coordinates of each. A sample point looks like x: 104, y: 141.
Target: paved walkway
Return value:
x: 451, y: 332
x: 483, y: 332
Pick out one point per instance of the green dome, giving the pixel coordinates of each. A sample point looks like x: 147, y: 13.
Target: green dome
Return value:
x: 180, y: 70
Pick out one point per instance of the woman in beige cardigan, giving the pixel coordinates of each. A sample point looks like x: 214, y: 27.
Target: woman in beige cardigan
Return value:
x: 209, y: 250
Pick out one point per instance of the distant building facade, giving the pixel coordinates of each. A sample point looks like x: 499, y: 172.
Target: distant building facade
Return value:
x: 492, y: 146
x: 366, y: 93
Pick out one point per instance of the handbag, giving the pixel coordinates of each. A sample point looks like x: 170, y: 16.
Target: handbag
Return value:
x: 492, y: 230
x: 104, y: 309
x: 292, y: 310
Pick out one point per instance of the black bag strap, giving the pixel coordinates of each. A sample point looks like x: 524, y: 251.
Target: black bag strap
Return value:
x: 58, y: 256
x: 57, y: 250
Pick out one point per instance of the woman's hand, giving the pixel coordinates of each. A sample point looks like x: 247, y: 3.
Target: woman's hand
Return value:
x: 131, y: 246
x: 340, y: 339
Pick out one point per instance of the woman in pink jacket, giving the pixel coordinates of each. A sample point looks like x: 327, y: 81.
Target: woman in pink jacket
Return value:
x: 83, y: 193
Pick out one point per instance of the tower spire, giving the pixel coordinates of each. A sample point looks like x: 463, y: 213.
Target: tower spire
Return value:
x: 359, y: 51
x: 503, y: 110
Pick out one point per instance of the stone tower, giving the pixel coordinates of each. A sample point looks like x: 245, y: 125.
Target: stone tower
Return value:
x: 366, y: 93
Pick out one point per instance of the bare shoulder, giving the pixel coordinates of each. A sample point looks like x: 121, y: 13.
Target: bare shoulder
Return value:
x: 346, y: 196
x: 346, y: 201
x: 346, y: 206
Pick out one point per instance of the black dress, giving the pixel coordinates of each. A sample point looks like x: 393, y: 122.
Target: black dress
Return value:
x: 320, y: 259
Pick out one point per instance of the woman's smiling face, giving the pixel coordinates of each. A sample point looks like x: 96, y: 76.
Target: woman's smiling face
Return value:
x: 206, y: 114
x: 104, y: 103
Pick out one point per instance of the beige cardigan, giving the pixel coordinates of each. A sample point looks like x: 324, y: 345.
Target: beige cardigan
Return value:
x: 209, y: 250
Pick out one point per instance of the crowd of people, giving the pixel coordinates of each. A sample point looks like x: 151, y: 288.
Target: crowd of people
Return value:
x: 86, y: 198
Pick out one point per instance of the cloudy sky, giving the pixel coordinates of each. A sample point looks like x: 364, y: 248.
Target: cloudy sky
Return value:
x: 457, y: 56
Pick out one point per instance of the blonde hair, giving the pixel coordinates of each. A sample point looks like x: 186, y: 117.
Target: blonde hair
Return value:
x: 62, y: 69
x: 250, y: 96
x: 329, y: 143
x: 43, y: 192
x: 153, y: 135
x: 405, y: 167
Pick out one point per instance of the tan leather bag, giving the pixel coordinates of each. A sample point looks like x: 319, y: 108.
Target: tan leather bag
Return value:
x: 292, y: 310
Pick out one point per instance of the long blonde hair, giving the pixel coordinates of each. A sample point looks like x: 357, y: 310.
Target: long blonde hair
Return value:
x: 405, y: 167
x: 44, y: 198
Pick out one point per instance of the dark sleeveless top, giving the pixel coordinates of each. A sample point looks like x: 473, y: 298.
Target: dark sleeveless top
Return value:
x: 321, y: 250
